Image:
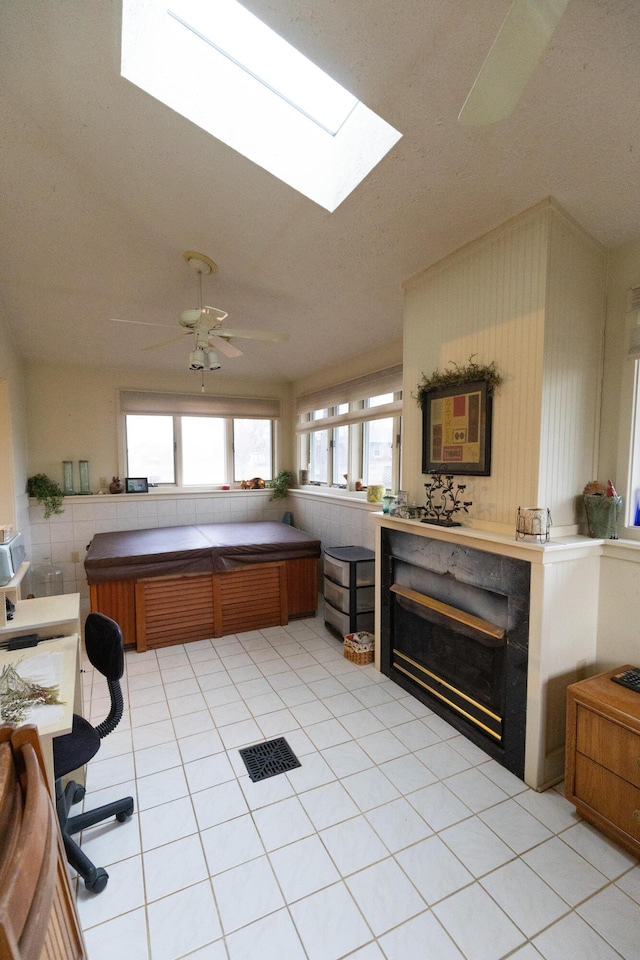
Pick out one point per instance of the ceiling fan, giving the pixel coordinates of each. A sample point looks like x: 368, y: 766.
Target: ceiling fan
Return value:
x: 205, y: 325
x: 515, y: 54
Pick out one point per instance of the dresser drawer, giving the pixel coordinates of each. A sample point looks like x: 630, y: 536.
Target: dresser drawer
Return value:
x: 339, y: 570
x: 610, y: 744
x: 341, y: 622
x: 609, y: 795
x: 339, y: 597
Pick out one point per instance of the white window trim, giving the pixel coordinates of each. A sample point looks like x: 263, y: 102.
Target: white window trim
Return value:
x: 177, y: 405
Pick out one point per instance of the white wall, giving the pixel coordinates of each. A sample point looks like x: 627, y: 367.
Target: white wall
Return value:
x: 518, y: 296
x: 72, y: 413
x: 13, y: 435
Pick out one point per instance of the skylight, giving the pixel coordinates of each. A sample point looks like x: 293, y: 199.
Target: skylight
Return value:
x: 226, y: 71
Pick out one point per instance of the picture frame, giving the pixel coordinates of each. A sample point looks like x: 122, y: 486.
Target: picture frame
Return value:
x: 456, y: 429
x: 136, y: 485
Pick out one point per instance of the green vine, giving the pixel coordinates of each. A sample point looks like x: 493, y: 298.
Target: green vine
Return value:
x: 280, y: 484
x: 47, y: 492
x: 458, y: 374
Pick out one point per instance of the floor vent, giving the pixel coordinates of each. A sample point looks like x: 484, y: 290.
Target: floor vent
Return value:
x: 268, y: 759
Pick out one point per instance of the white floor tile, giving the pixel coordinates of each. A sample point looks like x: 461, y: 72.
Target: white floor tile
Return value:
x: 282, y: 823
x: 370, y: 889
x: 370, y: 788
x: 124, y: 892
x: 330, y: 924
x: 182, y: 922
x: 161, y: 787
x: 601, y: 852
x: 572, y: 939
x: 199, y: 745
x: 328, y: 804
x: 477, y: 925
x: 353, y: 845
x: 439, y: 807
x: 273, y: 937
x: 407, y: 773
x: 565, y: 871
x: 173, y: 867
x: 208, y: 771
x: 616, y: 917
x: 476, y: 846
x: 524, y: 897
x: 217, y: 804
x: 302, y: 868
x: 398, y: 825
x: 125, y: 935
x: 231, y: 843
x: 433, y: 869
x: 513, y: 824
x: 167, y: 822
x: 410, y: 940
x: 475, y: 790
x: 246, y: 893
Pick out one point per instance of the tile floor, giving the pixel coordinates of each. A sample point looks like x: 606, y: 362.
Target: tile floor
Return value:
x: 396, y: 839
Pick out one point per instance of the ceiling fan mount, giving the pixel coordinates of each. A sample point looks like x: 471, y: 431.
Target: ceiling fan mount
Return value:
x: 199, y: 262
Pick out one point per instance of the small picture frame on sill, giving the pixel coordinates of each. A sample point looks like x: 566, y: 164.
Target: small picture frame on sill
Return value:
x: 456, y: 430
x: 136, y: 485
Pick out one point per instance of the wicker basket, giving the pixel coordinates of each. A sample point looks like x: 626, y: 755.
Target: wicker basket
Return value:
x: 359, y: 647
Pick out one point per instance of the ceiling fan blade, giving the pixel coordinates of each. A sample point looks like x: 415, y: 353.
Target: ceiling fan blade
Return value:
x: 226, y: 348
x: 163, y: 343
x: 516, y: 52
x: 142, y: 323
x: 255, y: 334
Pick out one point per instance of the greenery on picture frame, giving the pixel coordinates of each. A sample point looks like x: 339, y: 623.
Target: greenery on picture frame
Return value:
x: 456, y: 374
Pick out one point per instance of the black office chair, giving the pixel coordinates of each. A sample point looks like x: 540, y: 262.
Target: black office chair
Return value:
x: 103, y: 641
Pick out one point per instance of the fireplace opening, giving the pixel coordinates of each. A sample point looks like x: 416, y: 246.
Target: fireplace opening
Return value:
x: 455, y: 635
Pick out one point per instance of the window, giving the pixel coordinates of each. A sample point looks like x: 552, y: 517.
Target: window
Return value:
x: 188, y: 447
x: 356, y: 438
x: 257, y: 93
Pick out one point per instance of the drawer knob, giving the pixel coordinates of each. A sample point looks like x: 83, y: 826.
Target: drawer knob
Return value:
x: 636, y: 816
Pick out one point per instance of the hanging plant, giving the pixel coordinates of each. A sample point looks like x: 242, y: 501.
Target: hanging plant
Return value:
x: 47, y: 492
x: 455, y: 374
x: 280, y: 484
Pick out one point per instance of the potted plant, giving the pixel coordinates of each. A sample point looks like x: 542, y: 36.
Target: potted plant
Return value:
x: 47, y: 492
x: 280, y: 484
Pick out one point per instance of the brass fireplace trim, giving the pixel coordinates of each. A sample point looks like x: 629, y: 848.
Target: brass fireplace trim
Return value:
x: 483, y: 626
x: 450, y: 703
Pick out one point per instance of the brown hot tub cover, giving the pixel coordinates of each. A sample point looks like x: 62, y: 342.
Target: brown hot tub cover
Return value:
x: 210, y: 547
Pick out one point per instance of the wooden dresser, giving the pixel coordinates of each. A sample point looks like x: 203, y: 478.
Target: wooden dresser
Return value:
x: 602, y: 774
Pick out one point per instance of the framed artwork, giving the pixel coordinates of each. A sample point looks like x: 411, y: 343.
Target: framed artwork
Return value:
x: 456, y: 429
x: 136, y: 485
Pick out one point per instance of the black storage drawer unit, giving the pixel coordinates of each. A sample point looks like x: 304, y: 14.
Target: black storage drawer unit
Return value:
x: 349, y: 577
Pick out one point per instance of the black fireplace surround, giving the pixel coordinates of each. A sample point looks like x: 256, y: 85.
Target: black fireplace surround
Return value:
x: 455, y: 634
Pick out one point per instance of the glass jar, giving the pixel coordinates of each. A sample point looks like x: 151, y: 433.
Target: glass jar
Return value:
x: 47, y: 579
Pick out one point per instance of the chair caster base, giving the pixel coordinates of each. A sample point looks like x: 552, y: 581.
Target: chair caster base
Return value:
x: 97, y: 883
x: 125, y: 814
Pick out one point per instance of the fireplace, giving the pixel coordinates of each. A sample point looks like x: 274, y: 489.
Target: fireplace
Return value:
x: 454, y: 632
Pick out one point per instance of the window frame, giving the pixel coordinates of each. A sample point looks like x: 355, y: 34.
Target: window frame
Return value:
x: 176, y: 406
x: 355, y: 397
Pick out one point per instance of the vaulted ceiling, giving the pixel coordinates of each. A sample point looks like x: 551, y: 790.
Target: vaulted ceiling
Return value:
x: 104, y: 188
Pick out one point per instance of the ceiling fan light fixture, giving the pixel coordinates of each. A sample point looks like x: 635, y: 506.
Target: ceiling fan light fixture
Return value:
x: 214, y: 363
x: 197, y: 360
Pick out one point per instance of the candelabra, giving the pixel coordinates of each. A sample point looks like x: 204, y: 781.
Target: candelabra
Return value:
x: 443, y: 501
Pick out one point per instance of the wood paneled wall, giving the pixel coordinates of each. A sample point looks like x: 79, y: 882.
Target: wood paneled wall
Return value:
x: 521, y: 296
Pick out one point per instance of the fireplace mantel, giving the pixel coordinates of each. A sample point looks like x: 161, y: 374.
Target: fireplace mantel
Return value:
x: 562, y: 626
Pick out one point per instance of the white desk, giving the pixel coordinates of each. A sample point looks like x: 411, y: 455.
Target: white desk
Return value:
x: 50, y: 617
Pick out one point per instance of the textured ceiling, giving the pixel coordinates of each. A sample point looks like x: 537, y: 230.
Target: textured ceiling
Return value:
x: 103, y: 188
